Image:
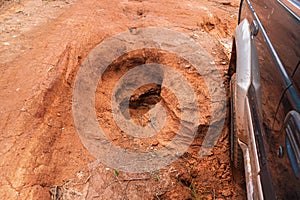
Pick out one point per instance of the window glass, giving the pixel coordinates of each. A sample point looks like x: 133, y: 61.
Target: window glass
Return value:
x: 292, y: 6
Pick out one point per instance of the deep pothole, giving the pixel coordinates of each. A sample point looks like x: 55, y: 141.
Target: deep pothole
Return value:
x: 139, y: 103
x: 142, y: 101
x: 145, y: 97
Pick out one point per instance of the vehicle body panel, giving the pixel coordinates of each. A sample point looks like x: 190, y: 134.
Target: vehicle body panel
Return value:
x: 267, y: 90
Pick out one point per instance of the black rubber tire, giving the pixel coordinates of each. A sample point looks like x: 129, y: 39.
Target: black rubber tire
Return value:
x: 236, y: 153
x: 232, y: 62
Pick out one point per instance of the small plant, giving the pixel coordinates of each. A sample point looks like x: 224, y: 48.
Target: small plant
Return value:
x: 194, y: 192
x: 155, y: 175
x: 116, y: 172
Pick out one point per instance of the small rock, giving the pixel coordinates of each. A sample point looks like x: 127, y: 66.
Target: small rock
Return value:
x: 164, y: 142
x: 194, y: 173
x: 19, y: 11
x: 225, y: 175
x: 140, y: 12
x: 226, y: 193
x: 192, y: 162
x: 133, y: 30
x: 222, y: 167
x: 80, y: 175
x: 154, y: 143
x: 210, y: 153
x: 195, y: 36
x: 226, y: 3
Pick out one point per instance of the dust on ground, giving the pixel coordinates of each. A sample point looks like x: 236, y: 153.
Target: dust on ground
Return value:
x: 42, y: 46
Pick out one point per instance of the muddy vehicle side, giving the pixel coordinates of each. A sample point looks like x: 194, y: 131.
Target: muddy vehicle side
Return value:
x: 265, y: 98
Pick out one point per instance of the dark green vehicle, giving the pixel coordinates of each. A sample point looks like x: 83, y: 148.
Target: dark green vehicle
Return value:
x: 265, y: 98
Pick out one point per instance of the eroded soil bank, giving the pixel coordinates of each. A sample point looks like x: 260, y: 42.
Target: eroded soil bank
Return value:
x: 42, y: 46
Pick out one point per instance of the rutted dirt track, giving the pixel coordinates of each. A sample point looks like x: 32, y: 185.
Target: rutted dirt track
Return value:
x: 42, y: 46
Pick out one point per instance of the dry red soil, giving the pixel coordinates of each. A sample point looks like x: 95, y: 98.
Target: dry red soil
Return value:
x: 42, y: 46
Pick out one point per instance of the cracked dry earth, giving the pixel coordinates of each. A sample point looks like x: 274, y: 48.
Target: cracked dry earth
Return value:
x: 42, y: 46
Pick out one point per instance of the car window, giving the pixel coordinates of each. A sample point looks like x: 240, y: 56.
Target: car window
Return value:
x: 293, y: 6
x: 296, y: 3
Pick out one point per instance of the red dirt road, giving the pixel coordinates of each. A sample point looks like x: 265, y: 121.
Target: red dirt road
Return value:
x: 42, y: 46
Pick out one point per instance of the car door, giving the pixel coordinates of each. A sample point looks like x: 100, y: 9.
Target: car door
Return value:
x: 276, y: 41
x: 278, y: 54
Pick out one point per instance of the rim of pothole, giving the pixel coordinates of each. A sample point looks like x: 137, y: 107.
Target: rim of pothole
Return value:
x: 112, y: 48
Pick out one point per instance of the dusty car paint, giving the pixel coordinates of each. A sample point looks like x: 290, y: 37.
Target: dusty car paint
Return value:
x: 267, y: 89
